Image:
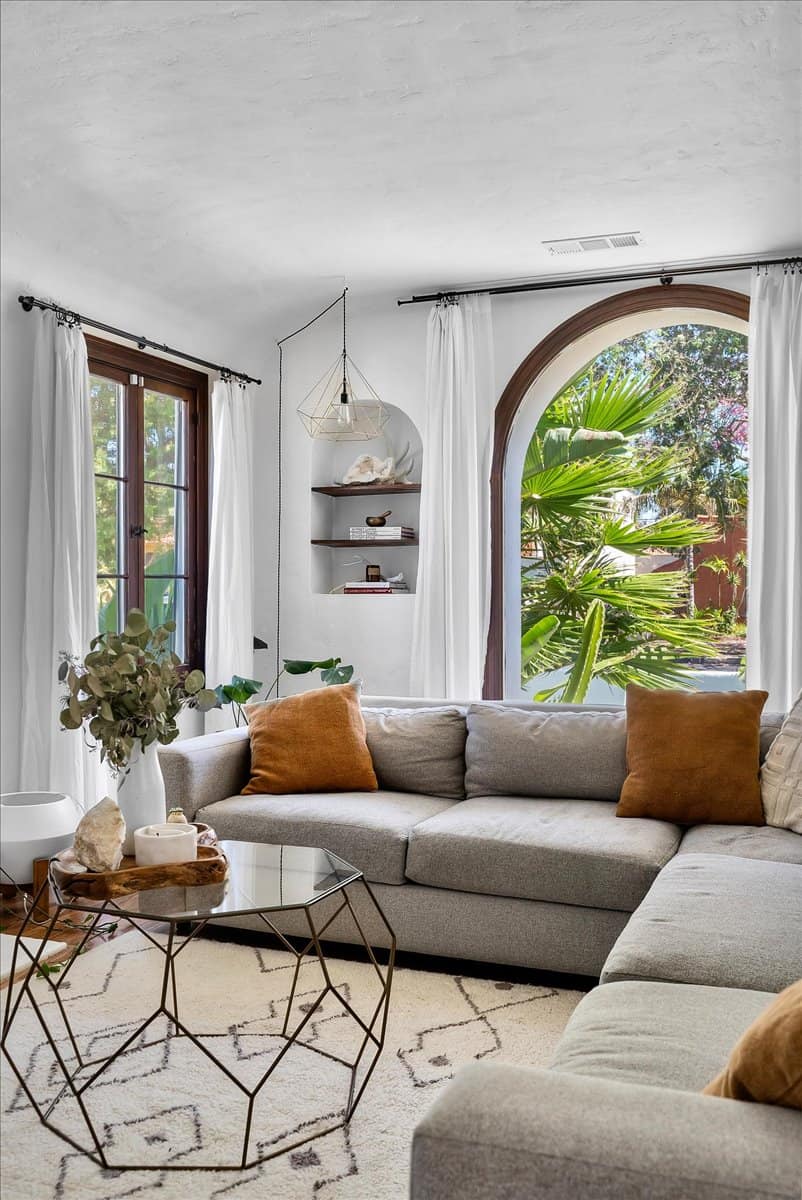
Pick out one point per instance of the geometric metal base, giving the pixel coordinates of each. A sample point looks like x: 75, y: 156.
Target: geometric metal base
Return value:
x: 80, y: 1074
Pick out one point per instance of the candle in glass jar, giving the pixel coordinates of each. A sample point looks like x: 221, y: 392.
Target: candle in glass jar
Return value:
x: 156, y: 845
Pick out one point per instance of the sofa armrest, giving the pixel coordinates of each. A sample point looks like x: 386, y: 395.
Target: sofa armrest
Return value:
x: 504, y: 1133
x: 201, y: 770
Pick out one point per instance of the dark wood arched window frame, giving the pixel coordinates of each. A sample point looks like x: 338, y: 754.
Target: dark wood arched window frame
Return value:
x: 647, y: 299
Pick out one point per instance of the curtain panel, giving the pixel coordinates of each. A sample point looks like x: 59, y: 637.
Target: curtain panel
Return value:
x: 229, y: 609
x: 774, y: 568
x: 452, y: 602
x: 61, y: 563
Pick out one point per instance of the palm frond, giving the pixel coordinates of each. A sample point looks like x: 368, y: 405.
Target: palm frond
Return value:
x: 672, y: 532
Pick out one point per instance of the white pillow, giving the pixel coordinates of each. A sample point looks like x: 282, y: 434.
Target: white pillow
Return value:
x: 781, y: 775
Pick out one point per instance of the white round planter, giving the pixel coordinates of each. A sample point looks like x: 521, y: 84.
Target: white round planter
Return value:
x: 34, y: 825
x: 140, y: 793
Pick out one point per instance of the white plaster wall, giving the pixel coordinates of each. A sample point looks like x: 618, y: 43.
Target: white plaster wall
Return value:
x: 388, y: 344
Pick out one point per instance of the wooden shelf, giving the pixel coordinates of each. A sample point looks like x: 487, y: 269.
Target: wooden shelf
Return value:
x: 350, y: 543
x: 369, y: 489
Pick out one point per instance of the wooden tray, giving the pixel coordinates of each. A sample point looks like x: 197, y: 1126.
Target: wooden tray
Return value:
x: 210, y: 866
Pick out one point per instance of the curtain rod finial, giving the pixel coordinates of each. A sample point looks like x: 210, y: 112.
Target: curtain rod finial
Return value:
x: 26, y: 302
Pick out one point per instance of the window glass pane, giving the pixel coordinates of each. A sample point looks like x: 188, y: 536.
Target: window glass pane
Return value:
x: 106, y: 399
x: 165, y: 540
x: 165, y: 600
x: 108, y: 514
x: 110, y: 605
x: 165, y: 442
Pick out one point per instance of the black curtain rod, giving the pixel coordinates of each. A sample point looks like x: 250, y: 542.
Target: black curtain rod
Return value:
x: 665, y: 274
x: 29, y: 302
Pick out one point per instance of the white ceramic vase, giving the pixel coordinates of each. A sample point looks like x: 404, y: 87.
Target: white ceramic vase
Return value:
x: 140, y: 793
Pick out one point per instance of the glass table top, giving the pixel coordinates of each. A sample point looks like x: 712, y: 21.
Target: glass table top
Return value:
x: 260, y: 878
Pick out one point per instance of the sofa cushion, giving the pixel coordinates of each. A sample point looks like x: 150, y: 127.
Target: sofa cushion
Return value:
x: 545, y: 752
x: 657, y: 1033
x: 565, y: 851
x: 368, y: 830
x: 418, y: 749
x: 781, y: 776
x: 765, y: 1064
x: 693, y: 757
x: 715, y: 919
x: 744, y: 841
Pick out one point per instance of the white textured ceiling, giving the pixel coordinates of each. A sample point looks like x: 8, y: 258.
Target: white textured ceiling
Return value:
x: 228, y: 151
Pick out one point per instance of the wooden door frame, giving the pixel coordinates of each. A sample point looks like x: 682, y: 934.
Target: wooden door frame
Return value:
x: 647, y: 299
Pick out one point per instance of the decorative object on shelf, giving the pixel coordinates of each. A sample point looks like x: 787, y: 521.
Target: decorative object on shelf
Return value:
x: 211, y: 866
x: 128, y: 693
x: 98, y: 844
x: 157, y: 845
x: 177, y: 816
x: 373, y: 573
x: 365, y: 533
x: 342, y: 406
x: 367, y: 469
x: 33, y: 825
x: 381, y: 520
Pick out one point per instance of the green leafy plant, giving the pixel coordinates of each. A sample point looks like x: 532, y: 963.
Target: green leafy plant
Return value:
x: 130, y: 688
x: 241, y: 691
x: 731, y: 572
x: 587, y: 477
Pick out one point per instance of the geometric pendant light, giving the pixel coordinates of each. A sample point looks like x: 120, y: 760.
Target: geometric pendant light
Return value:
x: 342, y: 406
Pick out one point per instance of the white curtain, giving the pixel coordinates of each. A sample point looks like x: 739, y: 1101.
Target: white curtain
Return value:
x: 61, y: 564
x: 774, y: 625
x: 452, y: 602
x: 229, y: 609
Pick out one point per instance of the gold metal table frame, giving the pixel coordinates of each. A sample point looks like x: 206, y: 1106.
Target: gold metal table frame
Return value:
x: 79, y: 1073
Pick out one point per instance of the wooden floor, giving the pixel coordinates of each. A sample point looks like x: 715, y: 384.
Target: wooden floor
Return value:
x: 69, y: 931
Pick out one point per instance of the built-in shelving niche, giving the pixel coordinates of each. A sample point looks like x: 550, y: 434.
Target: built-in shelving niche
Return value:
x: 333, y: 512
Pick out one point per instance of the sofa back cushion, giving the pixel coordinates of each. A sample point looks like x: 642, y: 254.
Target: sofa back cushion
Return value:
x: 418, y: 749
x: 545, y: 752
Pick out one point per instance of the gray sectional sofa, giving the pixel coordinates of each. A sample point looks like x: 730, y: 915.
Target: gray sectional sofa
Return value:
x: 520, y: 859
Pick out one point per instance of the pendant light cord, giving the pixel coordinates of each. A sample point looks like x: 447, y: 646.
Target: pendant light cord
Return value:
x: 279, y: 462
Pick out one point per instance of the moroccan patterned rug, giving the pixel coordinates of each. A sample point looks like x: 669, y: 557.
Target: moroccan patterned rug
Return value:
x: 164, y: 1101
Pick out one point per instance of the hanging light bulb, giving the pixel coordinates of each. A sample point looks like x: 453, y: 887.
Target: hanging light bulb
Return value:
x: 345, y: 412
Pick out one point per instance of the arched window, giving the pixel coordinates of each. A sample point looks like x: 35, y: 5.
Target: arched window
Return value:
x: 532, y: 388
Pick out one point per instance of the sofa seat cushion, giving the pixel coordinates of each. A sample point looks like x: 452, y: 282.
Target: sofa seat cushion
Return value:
x: 660, y: 1034
x: 369, y: 830
x: 744, y: 841
x: 715, y: 919
x: 563, y: 851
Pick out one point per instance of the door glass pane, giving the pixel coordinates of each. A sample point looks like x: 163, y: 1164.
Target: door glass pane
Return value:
x: 165, y: 600
x: 110, y: 605
x: 165, y: 441
x: 165, y: 522
x: 108, y: 515
x: 106, y: 400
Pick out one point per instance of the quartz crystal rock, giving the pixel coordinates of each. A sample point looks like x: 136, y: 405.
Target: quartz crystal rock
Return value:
x: 99, y: 837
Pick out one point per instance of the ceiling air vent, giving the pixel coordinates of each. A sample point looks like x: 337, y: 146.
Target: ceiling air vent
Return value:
x: 602, y: 241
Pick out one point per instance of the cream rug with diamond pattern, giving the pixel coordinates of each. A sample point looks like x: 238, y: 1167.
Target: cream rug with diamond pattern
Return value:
x: 165, y: 1102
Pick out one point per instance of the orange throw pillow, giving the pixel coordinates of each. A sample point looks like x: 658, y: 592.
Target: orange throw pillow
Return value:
x: 766, y: 1062
x: 314, y: 742
x: 693, y: 757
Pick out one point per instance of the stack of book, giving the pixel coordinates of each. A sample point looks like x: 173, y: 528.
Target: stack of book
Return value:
x: 373, y: 587
x: 390, y: 533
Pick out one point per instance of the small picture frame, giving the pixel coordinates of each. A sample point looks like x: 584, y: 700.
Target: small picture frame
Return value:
x: 373, y: 573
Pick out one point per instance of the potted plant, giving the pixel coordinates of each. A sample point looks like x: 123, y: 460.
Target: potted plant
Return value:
x: 241, y: 691
x: 127, y: 694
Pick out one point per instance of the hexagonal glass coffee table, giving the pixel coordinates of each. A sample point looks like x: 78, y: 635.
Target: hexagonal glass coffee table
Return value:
x: 262, y: 881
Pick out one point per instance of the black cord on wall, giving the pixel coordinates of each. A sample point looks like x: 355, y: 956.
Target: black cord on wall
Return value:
x: 279, y: 464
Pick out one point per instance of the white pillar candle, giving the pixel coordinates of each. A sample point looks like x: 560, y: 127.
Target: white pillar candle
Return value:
x: 155, y: 845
